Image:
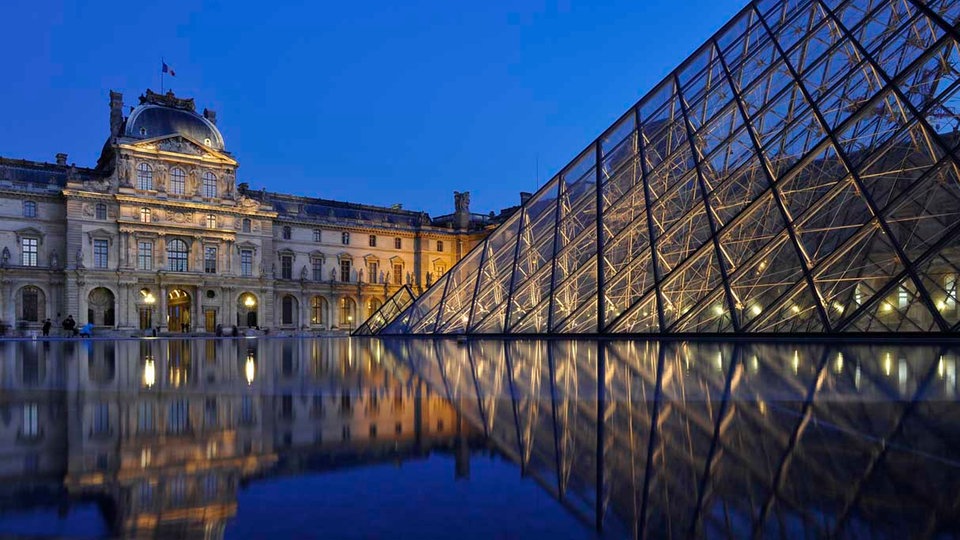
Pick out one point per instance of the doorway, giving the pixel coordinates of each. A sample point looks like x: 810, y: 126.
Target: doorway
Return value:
x: 178, y: 310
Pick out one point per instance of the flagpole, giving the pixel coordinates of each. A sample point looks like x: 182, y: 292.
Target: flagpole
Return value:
x: 161, y: 75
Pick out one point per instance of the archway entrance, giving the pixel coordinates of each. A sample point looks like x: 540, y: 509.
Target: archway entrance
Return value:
x: 178, y: 310
x: 247, y: 305
x: 100, y: 310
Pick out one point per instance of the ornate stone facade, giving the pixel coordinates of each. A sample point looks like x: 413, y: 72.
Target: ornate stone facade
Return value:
x: 159, y: 236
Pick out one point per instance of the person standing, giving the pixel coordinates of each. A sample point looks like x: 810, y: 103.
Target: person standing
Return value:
x: 46, y: 327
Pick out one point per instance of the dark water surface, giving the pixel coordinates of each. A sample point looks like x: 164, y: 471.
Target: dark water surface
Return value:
x: 367, y: 438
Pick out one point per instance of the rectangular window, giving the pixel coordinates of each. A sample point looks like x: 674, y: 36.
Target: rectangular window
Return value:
x: 345, y: 270
x: 145, y: 417
x: 397, y: 274
x: 210, y: 260
x: 373, y: 240
x: 903, y: 298
x: 144, y: 255
x: 246, y: 263
x: 28, y: 251
x: 31, y: 420
x: 29, y: 209
x: 439, y: 245
x: 374, y: 270
x: 397, y: 243
x: 317, y: 269
x: 345, y: 239
x: 100, y: 253
x: 145, y: 215
x: 286, y: 267
x: 317, y: 235
x: 101, y: 419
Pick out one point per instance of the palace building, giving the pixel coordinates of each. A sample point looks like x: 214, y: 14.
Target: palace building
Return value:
x: 160, y: 236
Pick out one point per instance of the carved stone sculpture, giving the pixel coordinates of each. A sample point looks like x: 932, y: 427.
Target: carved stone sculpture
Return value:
x: 54, y: 260
x: 79, y: 257
x: 5, y: 257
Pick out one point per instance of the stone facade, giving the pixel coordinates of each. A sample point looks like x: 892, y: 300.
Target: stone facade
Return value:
x: 159, y: 236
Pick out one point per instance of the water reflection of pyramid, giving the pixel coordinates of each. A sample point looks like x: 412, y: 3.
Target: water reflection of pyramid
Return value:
x: 798, y: 173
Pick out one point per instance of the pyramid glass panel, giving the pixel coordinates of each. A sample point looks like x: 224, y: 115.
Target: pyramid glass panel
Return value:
x: 797, y: 174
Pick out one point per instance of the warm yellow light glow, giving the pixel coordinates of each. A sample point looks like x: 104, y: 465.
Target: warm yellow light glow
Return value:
x: 796, y: 361
x: 755, y: 309
x: 718, y: 310
x: 250, y: 369
x: 149, y: 373
x: 941, y: 305
x: 763, y: 264
x: 838, y: 365
x: 886, y: 307
x: 149, y: 299
x: 887, y: 364
x: 249, y: 301
x: 795, y: 308
x: 838, y: 306
x: 464, y: 318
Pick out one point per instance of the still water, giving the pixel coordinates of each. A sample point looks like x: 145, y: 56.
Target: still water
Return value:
x: 368, y: 438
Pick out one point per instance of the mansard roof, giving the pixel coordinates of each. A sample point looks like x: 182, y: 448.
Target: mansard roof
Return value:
x: 162, y: 115
x: 37, y: 175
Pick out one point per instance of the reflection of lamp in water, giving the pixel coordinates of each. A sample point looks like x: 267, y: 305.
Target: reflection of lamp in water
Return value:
x: 149, y: 373
x: 249, y: 301
x: 249, y: 369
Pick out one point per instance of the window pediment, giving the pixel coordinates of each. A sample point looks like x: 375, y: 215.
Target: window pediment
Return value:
x: 344, y: 256
x: 317, y: 254
x: 396, y: 259
x: 286, y: 251
x: 370, y: 257
x: 29, y: 232
x: 101, y: 234
x: 247, y: 245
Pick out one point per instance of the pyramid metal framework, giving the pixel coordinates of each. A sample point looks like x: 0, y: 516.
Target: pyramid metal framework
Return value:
x: 797, y: 174
x: 386, y: 313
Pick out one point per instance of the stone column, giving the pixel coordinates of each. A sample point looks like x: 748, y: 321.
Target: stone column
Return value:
x: 198, y: 318
x: 160, y: 320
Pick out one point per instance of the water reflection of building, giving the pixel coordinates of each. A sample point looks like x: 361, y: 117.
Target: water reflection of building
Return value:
x: 719, y: 440
x: 162, y: 433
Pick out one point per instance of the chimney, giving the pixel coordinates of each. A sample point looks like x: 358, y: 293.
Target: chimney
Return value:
x: 210, y: 115
x: 61, y: 159
x: 461, y: 213
x: 116, y: 113
x: 525, y: 196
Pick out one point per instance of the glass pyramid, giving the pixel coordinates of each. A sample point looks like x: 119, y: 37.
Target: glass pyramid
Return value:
x: 797, y: 174
x: 386, y: 313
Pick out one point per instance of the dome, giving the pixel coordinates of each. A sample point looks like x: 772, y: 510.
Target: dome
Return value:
x: 150, y: 120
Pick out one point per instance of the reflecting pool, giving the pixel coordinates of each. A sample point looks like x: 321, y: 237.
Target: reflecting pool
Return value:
x: 372, y: 438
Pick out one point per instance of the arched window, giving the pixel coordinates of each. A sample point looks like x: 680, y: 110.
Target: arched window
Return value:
x: 246, y: 225
x: 318, y: 310
x: 177, y: 255
x: 144, y: 176
x: 373, y: 305
x: 287, y: 233
x: 177, y: 181
x: 145, y: 215
x: 101, y: 211
x: 209, y: 185
x: 29, y: 209
x: 211, y: 221
x: 347, y: 309
x: 32, y: 304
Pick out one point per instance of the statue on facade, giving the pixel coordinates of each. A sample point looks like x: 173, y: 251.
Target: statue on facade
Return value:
x: 193, y: 181
x: 273, y: 270
x: 5, y: 258
x: 333, y: 274
x: 461, y: 201
x: 263, y: 269
x: 159, y: 177
x: 79, y: 257
x: 383, y: 277
x: 360, y: 275
x: 303, y: 273
x: 54, y: 260
x: 125, y: 171
x: 408, y: 278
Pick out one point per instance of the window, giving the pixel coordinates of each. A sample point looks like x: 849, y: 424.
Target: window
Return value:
x: 177, y: 255
x: 246, y: 263
x: 397, y: 274
x: 211, y: 221
x: 345, y: 239
x: 210, y: 260
x: 179, y: 419
x: 286, y: 267
x: 439, y: 245
x: 345, y: 270
x: 374, y: 269
x: 209, y: 185
x: 246, y: 225
x: 397, y: 243
x: 144, y: 255
x: 288, y: 309
x: 100, y: 253
x: 177, y: 181
x: 440, y: 269
x: 317, y: 235
x: 287, y: 233
x: 101, y: 211
x: 145, y: 417
x: 903, y: 298
x: 101, y: 419
x: 317, y: 268
x: 145, y: 215
x: 318, y: 310
x: 144, y: 176
x: 28, y: 251
x: 29, y: 209
x: 346, y: 312
x: 950, y: 285
x: 373, y: 240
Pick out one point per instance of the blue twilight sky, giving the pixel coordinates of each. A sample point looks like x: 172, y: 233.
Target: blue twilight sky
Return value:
x: 375, y: 102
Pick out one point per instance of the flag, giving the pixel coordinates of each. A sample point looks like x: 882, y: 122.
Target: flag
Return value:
x: 168, y: 69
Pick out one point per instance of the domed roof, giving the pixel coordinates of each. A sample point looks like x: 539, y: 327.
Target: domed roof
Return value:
x: 159, y: 116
